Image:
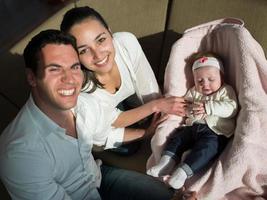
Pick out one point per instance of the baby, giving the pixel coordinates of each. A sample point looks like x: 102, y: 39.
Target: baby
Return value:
x: 210, y: 121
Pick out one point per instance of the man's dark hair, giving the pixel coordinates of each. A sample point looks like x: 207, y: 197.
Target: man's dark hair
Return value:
x: 33, y: 48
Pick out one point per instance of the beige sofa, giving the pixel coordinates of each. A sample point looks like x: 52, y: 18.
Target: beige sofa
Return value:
x: 157, y: 24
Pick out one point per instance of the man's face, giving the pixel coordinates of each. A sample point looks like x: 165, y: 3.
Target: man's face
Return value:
x: 59, y: 78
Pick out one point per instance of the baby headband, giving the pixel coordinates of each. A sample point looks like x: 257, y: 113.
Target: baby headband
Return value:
x: 207, y: 61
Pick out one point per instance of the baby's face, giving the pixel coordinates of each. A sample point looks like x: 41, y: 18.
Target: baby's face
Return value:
x: 207, y: 80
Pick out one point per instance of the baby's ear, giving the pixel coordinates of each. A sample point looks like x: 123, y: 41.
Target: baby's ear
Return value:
x: 31, y: 77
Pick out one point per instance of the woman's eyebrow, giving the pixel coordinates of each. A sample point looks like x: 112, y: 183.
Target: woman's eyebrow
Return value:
x: 81, y: 46
x: 97, y: 37
x: 101, y: 34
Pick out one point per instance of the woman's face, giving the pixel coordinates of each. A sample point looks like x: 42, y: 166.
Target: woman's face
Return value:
x: 95, y: 46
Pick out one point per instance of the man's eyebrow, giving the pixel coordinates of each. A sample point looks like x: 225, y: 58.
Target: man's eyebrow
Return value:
x: 97, y: 37
x: 52, y: 65
x: 57, y: 65
x: 75, y: 64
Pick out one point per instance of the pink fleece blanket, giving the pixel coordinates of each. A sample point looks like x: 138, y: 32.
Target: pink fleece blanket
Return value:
x: 241, y: 170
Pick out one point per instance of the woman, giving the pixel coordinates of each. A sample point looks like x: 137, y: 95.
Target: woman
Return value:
x: 117, y: 70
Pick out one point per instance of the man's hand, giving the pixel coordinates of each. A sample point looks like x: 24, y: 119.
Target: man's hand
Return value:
x: 183, y: 194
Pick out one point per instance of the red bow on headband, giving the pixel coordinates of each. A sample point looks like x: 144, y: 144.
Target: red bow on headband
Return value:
x: 203, y: 59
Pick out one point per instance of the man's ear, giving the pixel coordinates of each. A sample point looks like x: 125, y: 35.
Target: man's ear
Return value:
x: 31, y: 77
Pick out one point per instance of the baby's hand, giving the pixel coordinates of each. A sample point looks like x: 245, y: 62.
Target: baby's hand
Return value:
x: 198, y: 108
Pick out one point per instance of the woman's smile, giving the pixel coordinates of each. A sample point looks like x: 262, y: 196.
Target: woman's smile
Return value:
x: 103, y: 62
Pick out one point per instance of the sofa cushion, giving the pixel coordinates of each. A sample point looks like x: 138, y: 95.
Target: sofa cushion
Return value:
x: 8, y: 112
x: 139, y: 17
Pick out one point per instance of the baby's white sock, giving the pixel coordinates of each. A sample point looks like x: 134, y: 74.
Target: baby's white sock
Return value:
x: 164, y: 167
x: 178, y: 178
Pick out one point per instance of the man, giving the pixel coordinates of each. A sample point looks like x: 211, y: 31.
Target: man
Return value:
x: 45, y: 153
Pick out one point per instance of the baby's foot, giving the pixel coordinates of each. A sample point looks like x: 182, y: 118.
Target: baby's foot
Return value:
x: 154, y: 171
x: 164, y: 167
x: 178, y: 178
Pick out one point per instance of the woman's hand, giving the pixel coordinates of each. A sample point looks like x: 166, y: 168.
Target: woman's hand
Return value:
x: 156, y: 120
x: 171, y: 105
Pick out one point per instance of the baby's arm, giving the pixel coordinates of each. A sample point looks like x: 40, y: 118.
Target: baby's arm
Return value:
x: 194, y: 107
x: 226, y: 106
x: 168, y: 105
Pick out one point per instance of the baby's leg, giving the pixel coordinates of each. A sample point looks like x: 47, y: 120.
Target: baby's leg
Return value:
x: 158, y: 143
x: 177, y: 142
x: 205, y: 149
